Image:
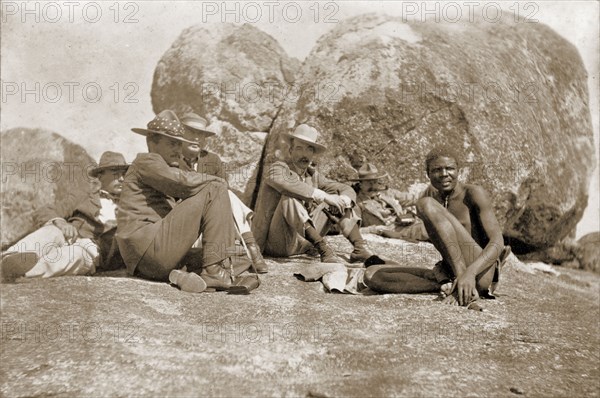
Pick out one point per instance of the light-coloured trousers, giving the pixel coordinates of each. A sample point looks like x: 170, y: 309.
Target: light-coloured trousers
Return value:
x: 242, y: 214
x: 286, y: 231
x: 55, y: 256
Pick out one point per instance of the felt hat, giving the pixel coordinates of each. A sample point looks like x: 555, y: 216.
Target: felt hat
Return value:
x: 110, y: 160
x: 368, y: 171
x: 165, y: 123
x: 308, y: 135
x: 195, y: 127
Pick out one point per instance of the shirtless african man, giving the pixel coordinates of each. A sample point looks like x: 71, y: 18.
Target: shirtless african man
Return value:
x: 461, y: 224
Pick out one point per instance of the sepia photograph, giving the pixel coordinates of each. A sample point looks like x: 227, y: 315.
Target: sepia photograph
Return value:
x: 299, y: 198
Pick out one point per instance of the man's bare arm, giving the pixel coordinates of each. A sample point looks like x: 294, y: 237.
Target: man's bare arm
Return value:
x: 487, y: 218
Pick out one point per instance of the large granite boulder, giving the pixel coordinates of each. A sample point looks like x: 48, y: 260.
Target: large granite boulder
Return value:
x: 588, y: 252
x: 39, y: 168
x: 511, y: 98
x: 236, y: 76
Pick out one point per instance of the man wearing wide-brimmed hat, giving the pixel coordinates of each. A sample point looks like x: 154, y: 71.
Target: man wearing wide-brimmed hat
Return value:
x: 384, y: 209
x: 196, y: 158
x: 295, y: 205
x: 77, y: 237
x: 155, y: 232
x: 194, y: 154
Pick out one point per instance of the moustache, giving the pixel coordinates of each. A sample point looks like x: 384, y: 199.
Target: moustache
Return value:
x: 378, y: 188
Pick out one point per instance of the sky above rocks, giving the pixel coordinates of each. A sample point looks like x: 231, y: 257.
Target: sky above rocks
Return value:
x: 84, y: 69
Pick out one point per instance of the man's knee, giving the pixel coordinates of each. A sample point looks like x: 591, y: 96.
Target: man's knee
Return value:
x: 293, y: 209
x: 427, y: 207
x: 287, y: 202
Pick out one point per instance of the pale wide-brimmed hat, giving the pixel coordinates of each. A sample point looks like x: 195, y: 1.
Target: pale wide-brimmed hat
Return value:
x: 195, y: 126
x: 165, y: 123
x: 368, y: 171
x: 110, y: 160
x: 308, y: 135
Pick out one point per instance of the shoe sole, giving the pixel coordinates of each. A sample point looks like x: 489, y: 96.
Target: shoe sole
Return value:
x: 188, y: 282
x: 239, y: 290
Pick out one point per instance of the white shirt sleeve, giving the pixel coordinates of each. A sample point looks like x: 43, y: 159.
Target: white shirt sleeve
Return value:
x: 319, y: 195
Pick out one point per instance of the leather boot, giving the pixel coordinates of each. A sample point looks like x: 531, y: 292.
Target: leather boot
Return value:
x: 361, y: 252
x: 326, y: 253
x: 257, y: 259
x: 218, y: 276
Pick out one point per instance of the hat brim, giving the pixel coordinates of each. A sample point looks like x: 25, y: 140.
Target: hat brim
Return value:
x: 370, y: 178
x: 318, y: 147
x: 145, y: 132
x: 95, y: 171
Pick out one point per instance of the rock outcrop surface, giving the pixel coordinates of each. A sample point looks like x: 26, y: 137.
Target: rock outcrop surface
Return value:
x: 237, y: 75
x: 511, y: 98
x: 39, y: 168
x: 539, y: 338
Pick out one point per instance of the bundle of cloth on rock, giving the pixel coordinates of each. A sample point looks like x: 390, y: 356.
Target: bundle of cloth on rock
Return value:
x: 336, y: 277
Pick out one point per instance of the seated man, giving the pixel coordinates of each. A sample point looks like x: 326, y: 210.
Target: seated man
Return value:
x: 290, y: 214
x: 461, y: 224
x: 154, y: 232
x: 384, y: 209
x: 196, y: 158
x: 77, y: 237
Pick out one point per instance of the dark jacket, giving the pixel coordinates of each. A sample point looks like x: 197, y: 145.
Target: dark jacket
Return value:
x: 149, y: 191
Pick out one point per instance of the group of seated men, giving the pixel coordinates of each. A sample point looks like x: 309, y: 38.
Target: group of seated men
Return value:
x: 169, y: 216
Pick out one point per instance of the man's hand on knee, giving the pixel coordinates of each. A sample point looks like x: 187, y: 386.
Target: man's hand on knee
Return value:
x: 340, y: 202
x: 68, y: 230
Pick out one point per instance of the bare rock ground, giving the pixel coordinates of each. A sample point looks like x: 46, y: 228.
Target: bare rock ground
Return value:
x: 118, y: 336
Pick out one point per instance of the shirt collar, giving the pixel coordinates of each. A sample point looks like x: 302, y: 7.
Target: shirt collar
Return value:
x: 105, y: 195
